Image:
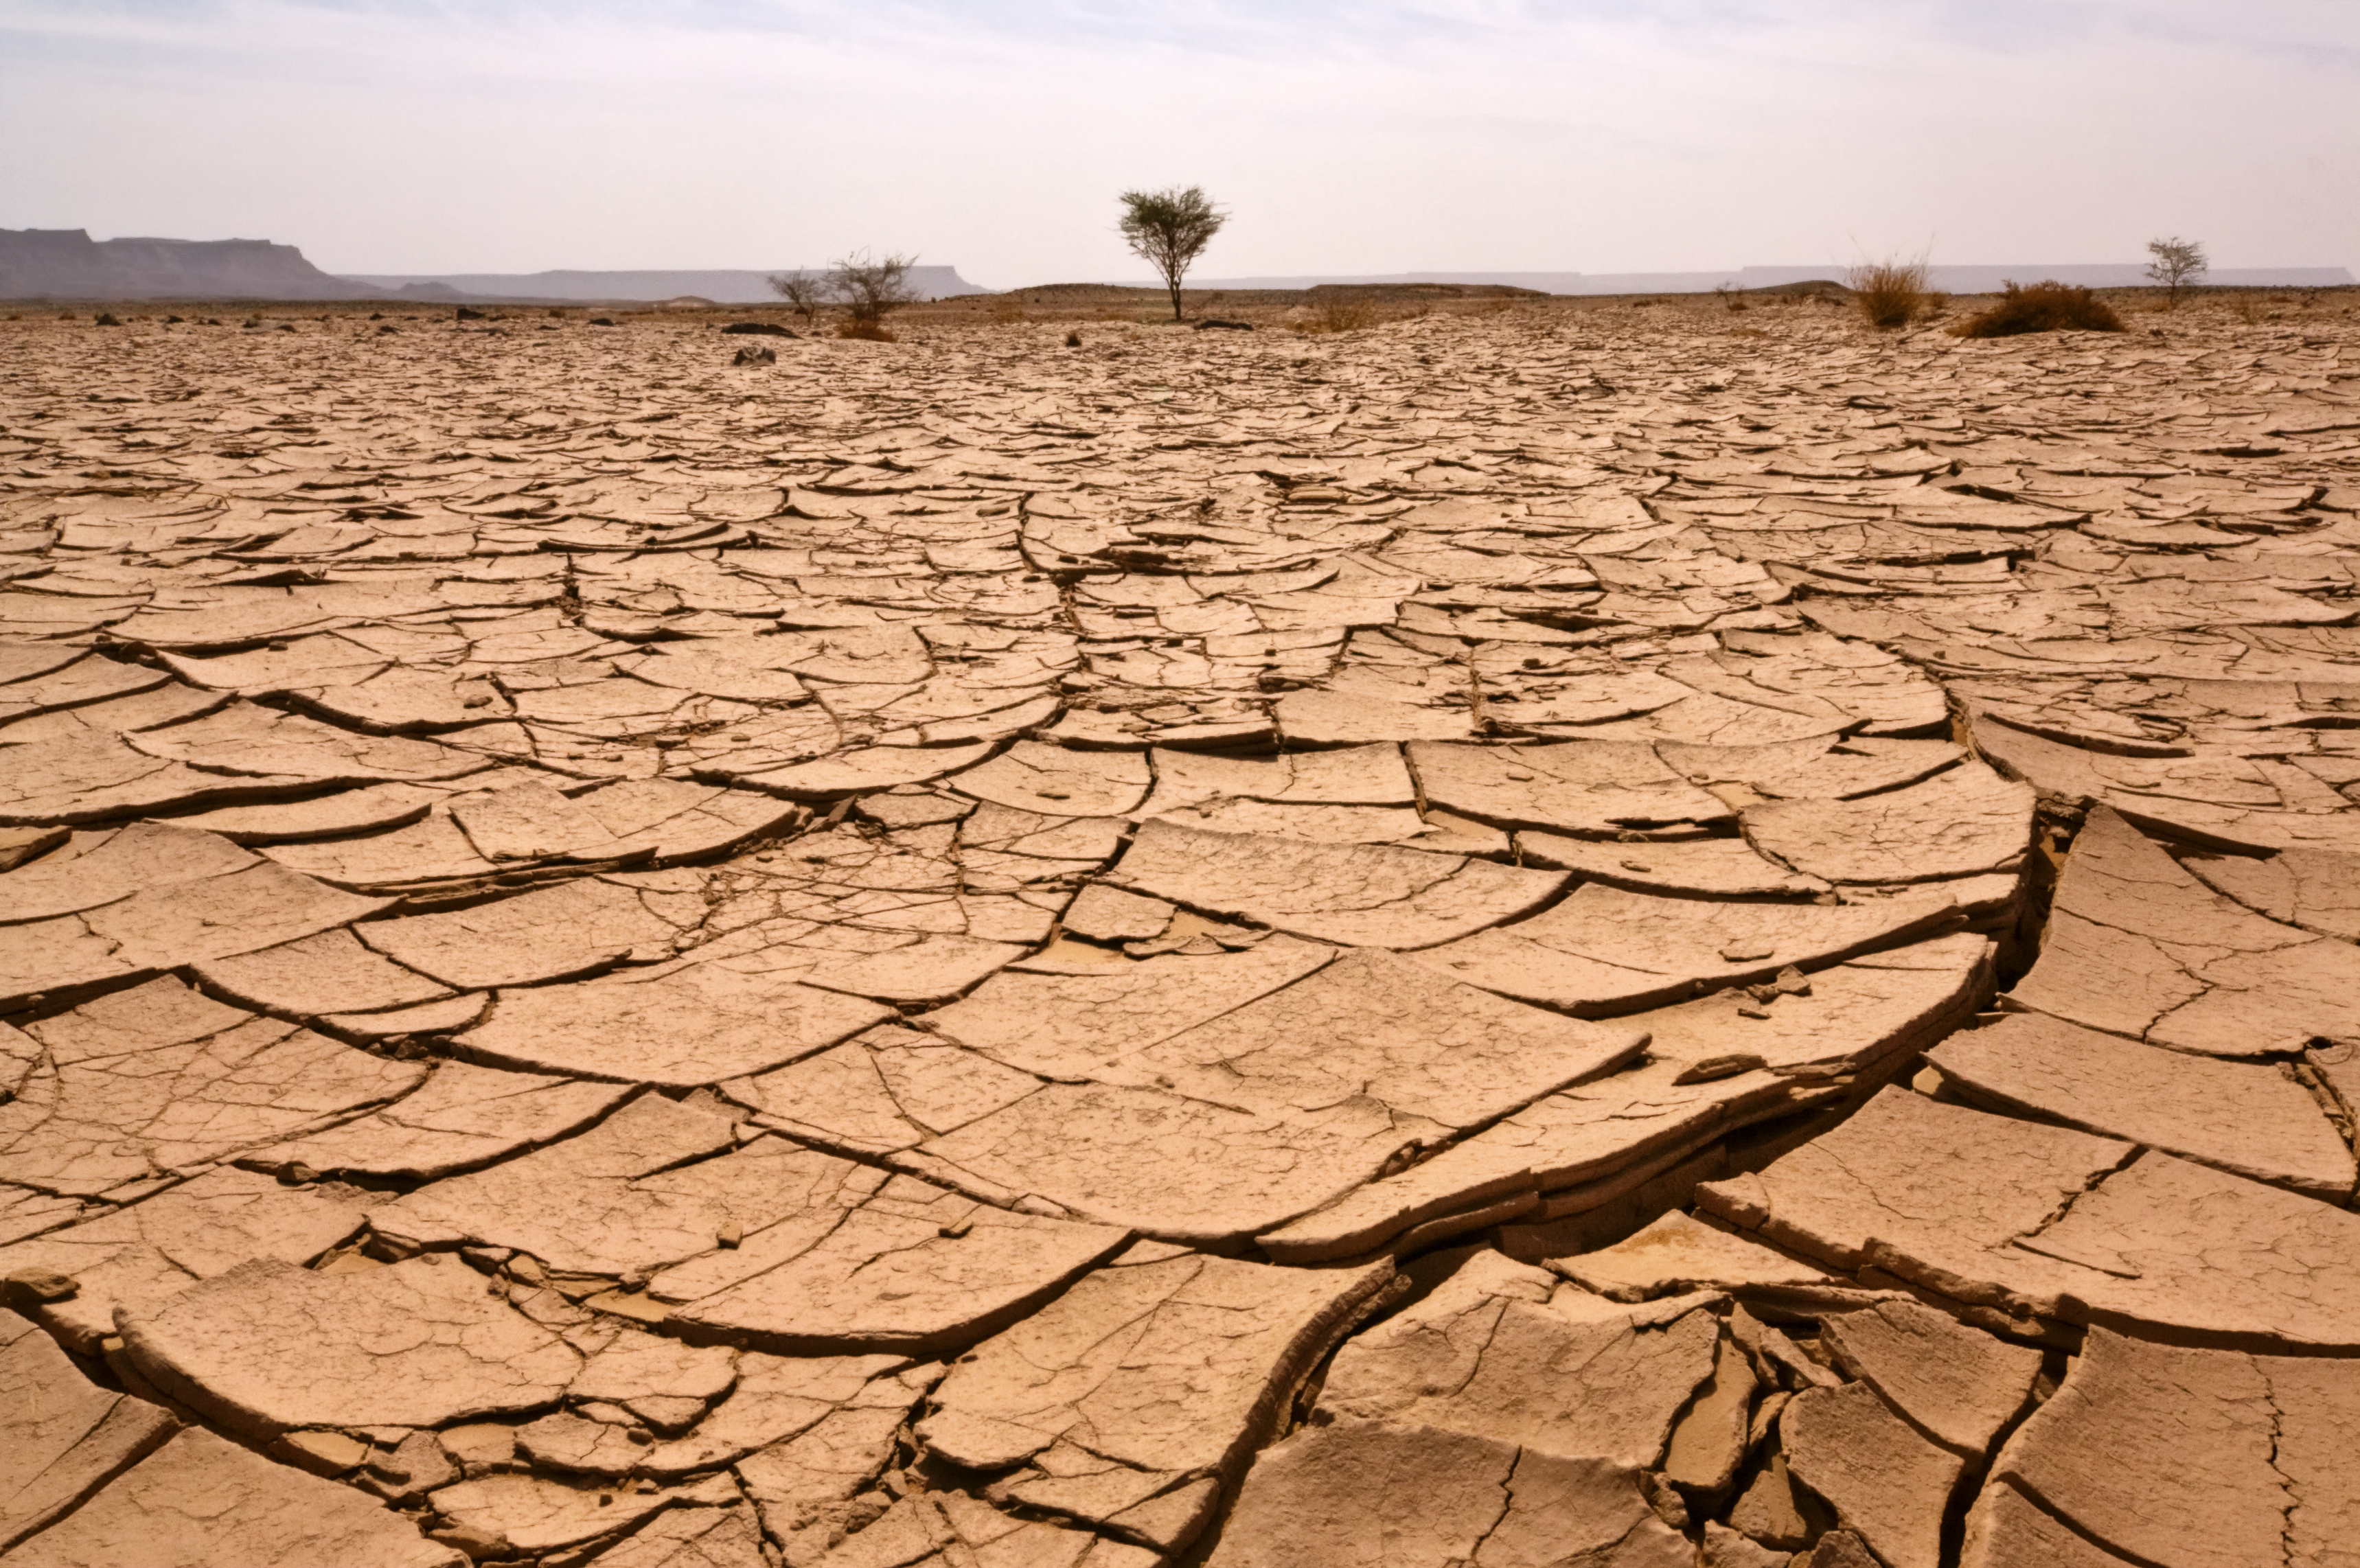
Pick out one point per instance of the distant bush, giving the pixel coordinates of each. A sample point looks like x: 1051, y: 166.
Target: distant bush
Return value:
x: 871, y: 291
x: 803, y: 293
x: 2177, y: 263
x: 2050, y: 307
x: 1340, y: 313
x: 1891, y: 294
x: 1169, y: 230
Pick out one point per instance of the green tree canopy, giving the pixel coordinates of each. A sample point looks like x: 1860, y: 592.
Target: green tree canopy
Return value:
x: 1169, y: 230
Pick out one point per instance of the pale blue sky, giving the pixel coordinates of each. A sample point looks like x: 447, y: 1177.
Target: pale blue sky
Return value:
x: 409, y: 135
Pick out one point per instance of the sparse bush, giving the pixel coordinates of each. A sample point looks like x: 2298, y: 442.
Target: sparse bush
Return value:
x: 1732, y: 297
x: 1339, y: 312
x: 2048, y: 307
x: 803, y: 293
x: 1169, y: 230
x: 871, y: 290
x: 2177, y: 263
x: 1891, y: 294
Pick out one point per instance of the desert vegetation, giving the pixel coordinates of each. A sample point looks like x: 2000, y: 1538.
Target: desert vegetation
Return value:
x: 1340, y: 310
x: 2046, y: 307
x: 1169, y: 230
x: 803, y: 293
x: 2177, y: 263
x: 1891, y: 293
x: 868, y: 289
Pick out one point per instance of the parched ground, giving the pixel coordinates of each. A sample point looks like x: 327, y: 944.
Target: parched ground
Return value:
x: 1627, y: 933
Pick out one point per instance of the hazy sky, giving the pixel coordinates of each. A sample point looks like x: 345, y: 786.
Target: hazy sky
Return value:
x: 1597, y: 135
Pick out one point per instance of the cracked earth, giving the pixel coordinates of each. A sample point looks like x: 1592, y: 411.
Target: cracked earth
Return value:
x: 1618, y: 934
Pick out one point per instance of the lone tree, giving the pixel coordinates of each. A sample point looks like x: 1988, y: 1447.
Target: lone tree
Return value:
x: 803, y: 293
x: 2177, y: 263
x: 1169, y: 230
x: 871, y: 290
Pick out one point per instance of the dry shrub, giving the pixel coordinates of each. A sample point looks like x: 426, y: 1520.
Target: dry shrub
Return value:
x: 867, y: 332
x: 1891, y: 294
x: 2050, y: 307
x: 1341, y: 314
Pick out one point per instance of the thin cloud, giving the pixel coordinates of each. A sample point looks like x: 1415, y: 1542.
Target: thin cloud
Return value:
x: 401, y: 135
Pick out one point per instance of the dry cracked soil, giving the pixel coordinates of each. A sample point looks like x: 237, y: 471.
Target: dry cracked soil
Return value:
x: 1621, y: 934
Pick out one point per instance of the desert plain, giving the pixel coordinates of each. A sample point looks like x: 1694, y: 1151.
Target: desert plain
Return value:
x: 1540, y: 932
